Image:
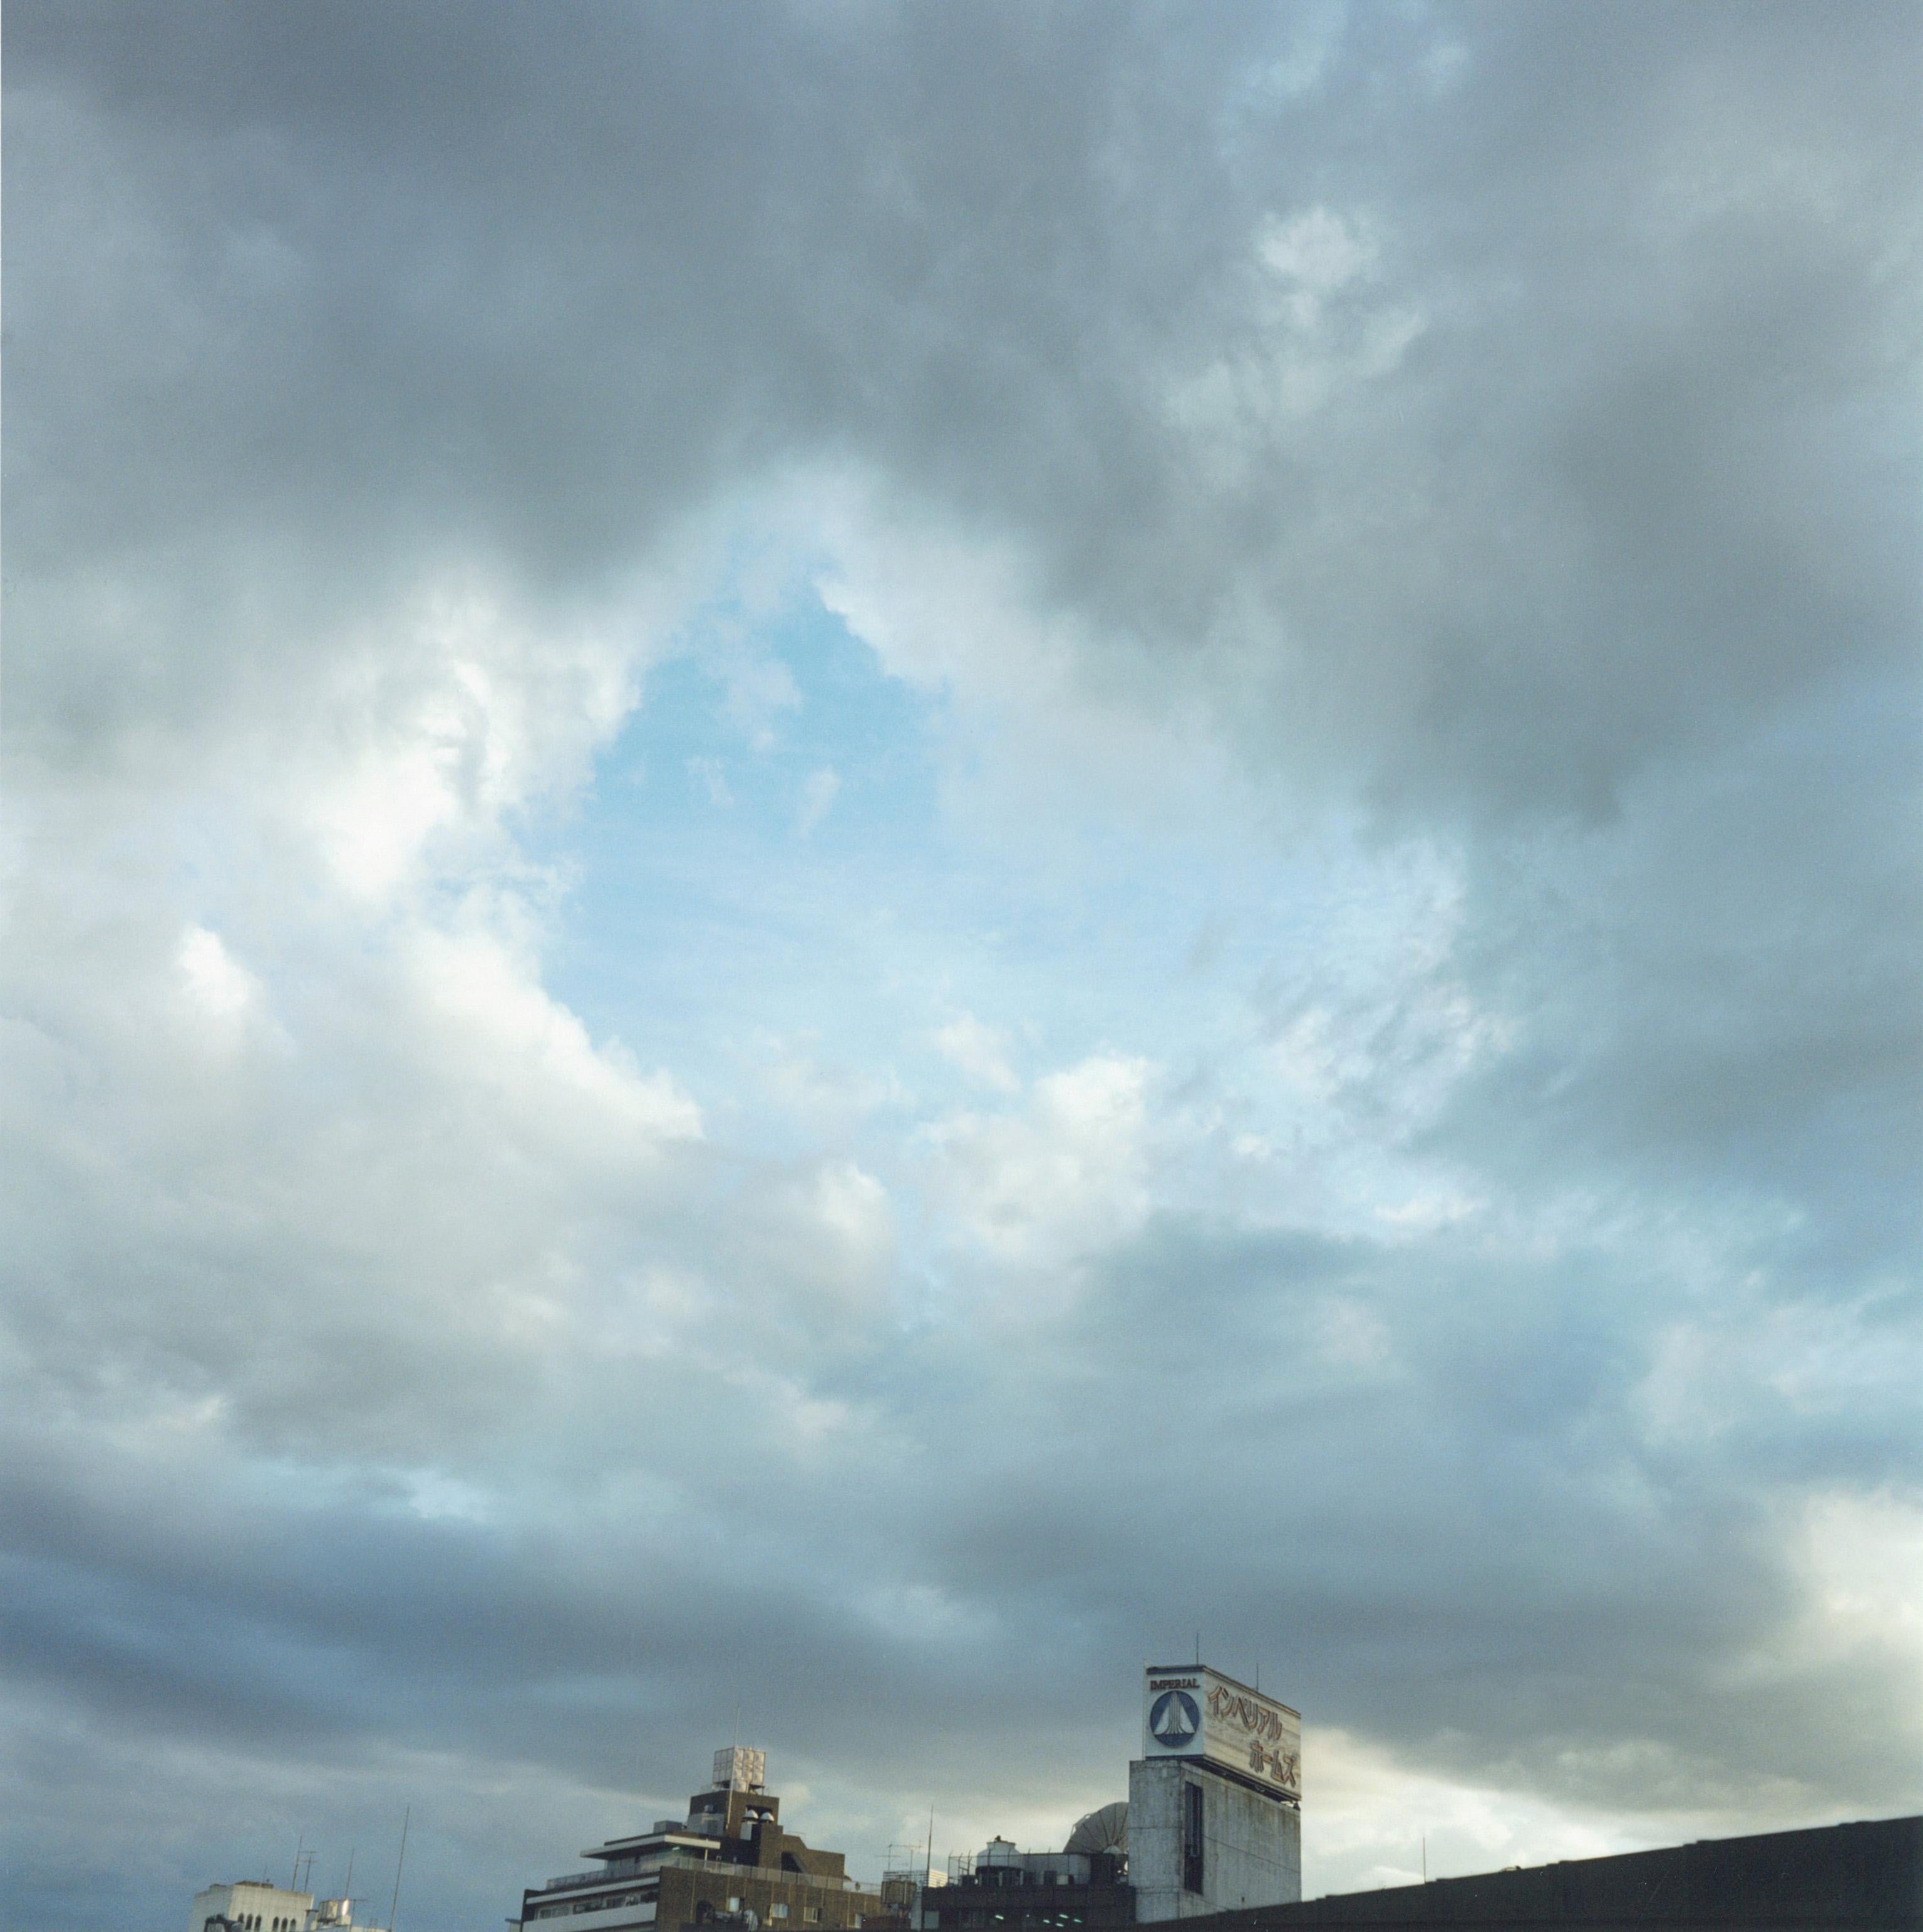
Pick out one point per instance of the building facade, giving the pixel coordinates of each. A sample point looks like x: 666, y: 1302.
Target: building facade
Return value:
x: 250, y: 1907
x: 257, y: 1906
x: 1214, y: 1802
x: 1000, y: 1889
x: 1862, y: 1877
x: 728, y: 1863
x: 1213, y: 1823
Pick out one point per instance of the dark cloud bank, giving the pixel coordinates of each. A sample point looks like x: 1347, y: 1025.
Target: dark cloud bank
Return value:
x: 1498, y: 423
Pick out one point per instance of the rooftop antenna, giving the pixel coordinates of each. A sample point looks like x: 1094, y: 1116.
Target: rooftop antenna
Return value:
x: 394, y: 1904
x: 294, y: 1877
x: 347, y: 1890
x: 928, y: 1863
x: 1198, y: 1650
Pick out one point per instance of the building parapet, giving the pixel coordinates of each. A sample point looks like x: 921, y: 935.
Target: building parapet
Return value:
x: 654, y: 1861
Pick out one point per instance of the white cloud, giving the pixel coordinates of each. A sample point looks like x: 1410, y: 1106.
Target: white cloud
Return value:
x: 1049, y: 732
x: 760, y: 688
x: 1312, y: 1055
x: 500, y: 1025
x: 1426, y: 1212
x: 708, y: 773
x: 1353, y: 1335
x: 1318, y: 249
x: 1067, y: 1172
x: 1859, y: 1558
x: 819, y: 793
x: 458, y: 705
x: 979, y: 1051
x: 847, y: 1247
x: 1367, y: 1814
x: 830, y: 1097
x: 217, y: 981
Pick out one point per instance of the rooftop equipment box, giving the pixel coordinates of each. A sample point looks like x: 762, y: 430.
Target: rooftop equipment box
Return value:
x: 1189, y: 1711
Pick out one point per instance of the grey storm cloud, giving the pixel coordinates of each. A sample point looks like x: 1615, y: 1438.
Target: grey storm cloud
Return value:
x: 368, y: 282
x: 1495, y: 423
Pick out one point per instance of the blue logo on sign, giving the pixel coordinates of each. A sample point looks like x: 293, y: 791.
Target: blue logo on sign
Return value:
x: 1174, y: 1719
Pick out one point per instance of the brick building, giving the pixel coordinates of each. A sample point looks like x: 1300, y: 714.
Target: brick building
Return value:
x: 728, y: 1863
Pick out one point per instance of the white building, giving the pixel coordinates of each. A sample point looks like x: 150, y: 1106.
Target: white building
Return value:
x: 1214, y: 1802
x: 254, y: 1906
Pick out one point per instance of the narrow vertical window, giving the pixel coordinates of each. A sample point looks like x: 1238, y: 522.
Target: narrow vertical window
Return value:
x: 1191, y: 1837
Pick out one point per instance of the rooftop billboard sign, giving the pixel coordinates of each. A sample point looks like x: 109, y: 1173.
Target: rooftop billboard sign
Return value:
x: 1190, y: 1710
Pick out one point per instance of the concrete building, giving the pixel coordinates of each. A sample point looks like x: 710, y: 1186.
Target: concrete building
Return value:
x: 728, y: 1864
x: 1214, y: 1802
x: 257, y: 1906
x: 250, y: 1907
x: 1213, y: 1823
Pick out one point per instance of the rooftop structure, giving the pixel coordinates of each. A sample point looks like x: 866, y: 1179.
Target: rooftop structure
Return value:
x: 255, y: 1906
x: 728, y: 1863
x: 1086, y: 1884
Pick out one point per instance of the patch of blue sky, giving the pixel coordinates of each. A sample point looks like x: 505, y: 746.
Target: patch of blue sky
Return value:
x: 747, y: 868
x: 773, y: 897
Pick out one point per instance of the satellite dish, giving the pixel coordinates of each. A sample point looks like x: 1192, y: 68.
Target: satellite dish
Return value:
x: 1105, y: 1830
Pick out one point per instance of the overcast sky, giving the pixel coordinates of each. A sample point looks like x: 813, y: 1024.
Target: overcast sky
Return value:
x: 856, y: 855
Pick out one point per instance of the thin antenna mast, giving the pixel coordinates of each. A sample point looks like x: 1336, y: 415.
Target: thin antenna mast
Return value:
x: 394, y: 1904
x: 347, y: 1890
x: 294, y: 1877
